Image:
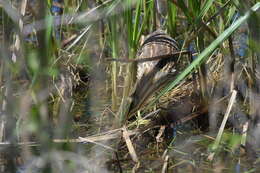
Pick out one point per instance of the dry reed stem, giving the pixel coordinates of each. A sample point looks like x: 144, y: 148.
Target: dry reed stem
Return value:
x: 129, y: 145
x: 244, y: 134
x: 100, y: 144
x: 165, y: 164
x: 17, y: 45
x: 224, y: 121
x: 112, y: 134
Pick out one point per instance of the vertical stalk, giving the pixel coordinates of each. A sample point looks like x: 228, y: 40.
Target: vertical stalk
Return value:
x: 153, y: 9
x: 202, y: 71
x: 114, y: 86
x: 171, y: 19
x: 133, y: 35
x: 126, y: 101
x: 114, y: 45
x: 101, y: 28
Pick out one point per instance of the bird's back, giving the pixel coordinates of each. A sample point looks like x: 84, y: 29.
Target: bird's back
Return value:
x: 156, y: 44
x: 153, y: 75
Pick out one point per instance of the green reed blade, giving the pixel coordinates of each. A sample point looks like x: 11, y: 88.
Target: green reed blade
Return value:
x: 205, y: 7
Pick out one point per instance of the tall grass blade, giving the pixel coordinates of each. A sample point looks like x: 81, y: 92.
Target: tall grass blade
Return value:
x: 207, y: 4
x: 136, y: 23
x: 184, y: 9
x: 171, y: 20
x: 194, y: 7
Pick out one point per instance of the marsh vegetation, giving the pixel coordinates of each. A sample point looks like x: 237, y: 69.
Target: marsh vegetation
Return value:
x: 72, y: 98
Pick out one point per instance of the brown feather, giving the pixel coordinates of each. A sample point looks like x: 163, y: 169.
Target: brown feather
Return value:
x: 153, y: 75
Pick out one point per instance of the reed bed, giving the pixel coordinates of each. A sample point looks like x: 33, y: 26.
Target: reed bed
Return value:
x: 68, y: 68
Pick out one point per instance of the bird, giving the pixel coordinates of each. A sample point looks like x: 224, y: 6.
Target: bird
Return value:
x: 155, y: 74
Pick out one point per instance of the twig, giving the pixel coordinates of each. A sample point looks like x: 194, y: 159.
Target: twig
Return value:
x: 154, y: 113
x: 113, y: 134
x: 65, y: 42
x: 142, y: 60
x: 77, y: 39
x: 91, y: 141
x: 193, y: 115
x: 151, y: 114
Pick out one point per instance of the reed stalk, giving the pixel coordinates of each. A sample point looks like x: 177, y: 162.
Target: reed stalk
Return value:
x: 114, y: 45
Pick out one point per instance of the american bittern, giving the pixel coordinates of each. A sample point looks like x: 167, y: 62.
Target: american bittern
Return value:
x: 153, y: 75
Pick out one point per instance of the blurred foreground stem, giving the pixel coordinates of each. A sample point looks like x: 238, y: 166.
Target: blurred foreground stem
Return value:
x: 114, y: 45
